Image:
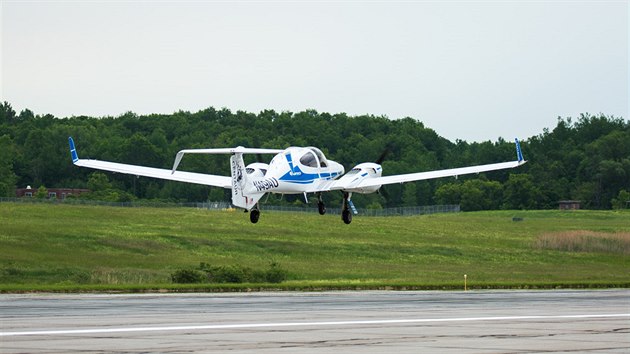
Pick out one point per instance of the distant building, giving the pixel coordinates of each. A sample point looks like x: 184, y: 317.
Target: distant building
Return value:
x: 57, y: 193
x: 569, y: 204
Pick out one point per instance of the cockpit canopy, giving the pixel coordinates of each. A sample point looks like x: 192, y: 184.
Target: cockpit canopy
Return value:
x: 320, y: 156
x: 309, y: 157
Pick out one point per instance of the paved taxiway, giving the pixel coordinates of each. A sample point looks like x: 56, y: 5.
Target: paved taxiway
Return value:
x: 371, y: 321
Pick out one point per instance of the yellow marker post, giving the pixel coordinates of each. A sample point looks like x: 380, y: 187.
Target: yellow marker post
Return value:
x: 465, y: 285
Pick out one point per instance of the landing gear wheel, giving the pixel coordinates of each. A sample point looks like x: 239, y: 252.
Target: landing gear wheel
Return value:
x: 254, y: 215
x: 346, y: 216
x: 321, y: 208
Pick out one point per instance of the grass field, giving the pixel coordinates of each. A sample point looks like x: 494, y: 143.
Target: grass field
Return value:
x: 63, y: 247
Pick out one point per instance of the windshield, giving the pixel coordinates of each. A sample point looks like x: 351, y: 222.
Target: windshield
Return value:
x: 320, y: 156
x: 309, y: 160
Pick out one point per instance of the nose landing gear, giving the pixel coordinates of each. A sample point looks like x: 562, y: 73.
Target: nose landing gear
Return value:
x: 320, y: 205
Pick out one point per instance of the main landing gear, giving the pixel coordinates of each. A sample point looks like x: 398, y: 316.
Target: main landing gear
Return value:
x: 346, y: 214
x: 254, y: 214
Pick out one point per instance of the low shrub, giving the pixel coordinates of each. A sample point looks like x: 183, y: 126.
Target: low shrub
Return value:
x: 275, y: 273
x: 187, y: 276
x: 232, y: 274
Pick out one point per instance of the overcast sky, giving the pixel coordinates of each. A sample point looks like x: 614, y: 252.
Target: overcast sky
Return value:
x: 470, y: 70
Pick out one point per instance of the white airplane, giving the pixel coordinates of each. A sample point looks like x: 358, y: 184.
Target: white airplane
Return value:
x: 294, y: 170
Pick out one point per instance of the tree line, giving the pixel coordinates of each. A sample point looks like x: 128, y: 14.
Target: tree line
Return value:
x: 586, y: 159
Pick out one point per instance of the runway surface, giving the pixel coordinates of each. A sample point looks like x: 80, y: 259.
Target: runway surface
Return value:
x: 359, y: 322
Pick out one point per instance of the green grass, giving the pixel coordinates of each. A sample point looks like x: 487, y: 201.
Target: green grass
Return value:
x: 93, y: 248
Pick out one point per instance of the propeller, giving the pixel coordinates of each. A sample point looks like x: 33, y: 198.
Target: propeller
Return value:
x: 384, y: 154
x: 388, y: 148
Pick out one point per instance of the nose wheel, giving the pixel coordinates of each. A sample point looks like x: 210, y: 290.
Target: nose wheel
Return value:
x: 321, y: 208
x: 320, y: 205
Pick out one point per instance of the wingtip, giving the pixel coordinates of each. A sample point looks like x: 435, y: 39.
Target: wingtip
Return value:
x: 519, y: 152
x: 73, y: 150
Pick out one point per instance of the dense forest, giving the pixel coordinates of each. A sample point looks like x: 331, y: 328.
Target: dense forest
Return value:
x: 587, y: 159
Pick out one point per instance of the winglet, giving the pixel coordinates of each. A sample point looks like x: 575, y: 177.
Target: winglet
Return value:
x: 519, y: 152
x: 73, y: 150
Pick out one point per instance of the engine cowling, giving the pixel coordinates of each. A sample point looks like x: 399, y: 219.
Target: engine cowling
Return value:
x: 358, y: 173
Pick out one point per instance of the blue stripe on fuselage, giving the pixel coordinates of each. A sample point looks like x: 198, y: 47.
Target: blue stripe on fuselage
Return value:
x: 305, y: 178
x: 295, y: 174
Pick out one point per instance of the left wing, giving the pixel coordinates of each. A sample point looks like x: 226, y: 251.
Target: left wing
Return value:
x: 190, y: 177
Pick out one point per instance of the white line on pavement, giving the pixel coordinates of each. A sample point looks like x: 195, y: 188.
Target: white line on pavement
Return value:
x: 299, y: 324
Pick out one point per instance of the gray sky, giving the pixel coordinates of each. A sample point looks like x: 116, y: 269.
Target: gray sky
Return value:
x: 471, y: 70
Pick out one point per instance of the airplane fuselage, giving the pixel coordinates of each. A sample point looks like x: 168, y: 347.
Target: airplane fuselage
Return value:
x: 294, y: 171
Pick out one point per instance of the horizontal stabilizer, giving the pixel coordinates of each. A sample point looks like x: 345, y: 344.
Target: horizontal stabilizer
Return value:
x: 236, y: 150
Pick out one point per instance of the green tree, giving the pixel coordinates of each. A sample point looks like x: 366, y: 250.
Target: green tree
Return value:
x: 477, y: 194
x: 622, y: 201
x: 216, y: 194
x: 42, y: 193
x: 471, y: 196
x: 7, y: 114
x: 8, y: 178
x: 98, y: 182
x: 102, y: 189
x: 26, y: 114
x: 520, y: 192
x: 409, y: 194
x: 140, y: 151
x: 449, y: 193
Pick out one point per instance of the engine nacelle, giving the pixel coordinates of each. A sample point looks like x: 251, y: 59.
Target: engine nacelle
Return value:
x: 359, y: 173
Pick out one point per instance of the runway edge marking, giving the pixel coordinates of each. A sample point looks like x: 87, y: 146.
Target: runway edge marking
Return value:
x: 300, y: 324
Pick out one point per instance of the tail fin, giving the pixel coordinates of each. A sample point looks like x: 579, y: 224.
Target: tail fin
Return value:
x: 239, y: 184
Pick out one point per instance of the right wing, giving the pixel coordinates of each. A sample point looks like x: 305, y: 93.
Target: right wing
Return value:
x: 368, y: 181
x: 189, y: 177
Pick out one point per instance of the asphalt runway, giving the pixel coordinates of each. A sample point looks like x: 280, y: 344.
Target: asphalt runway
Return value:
x: 348, y: 322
